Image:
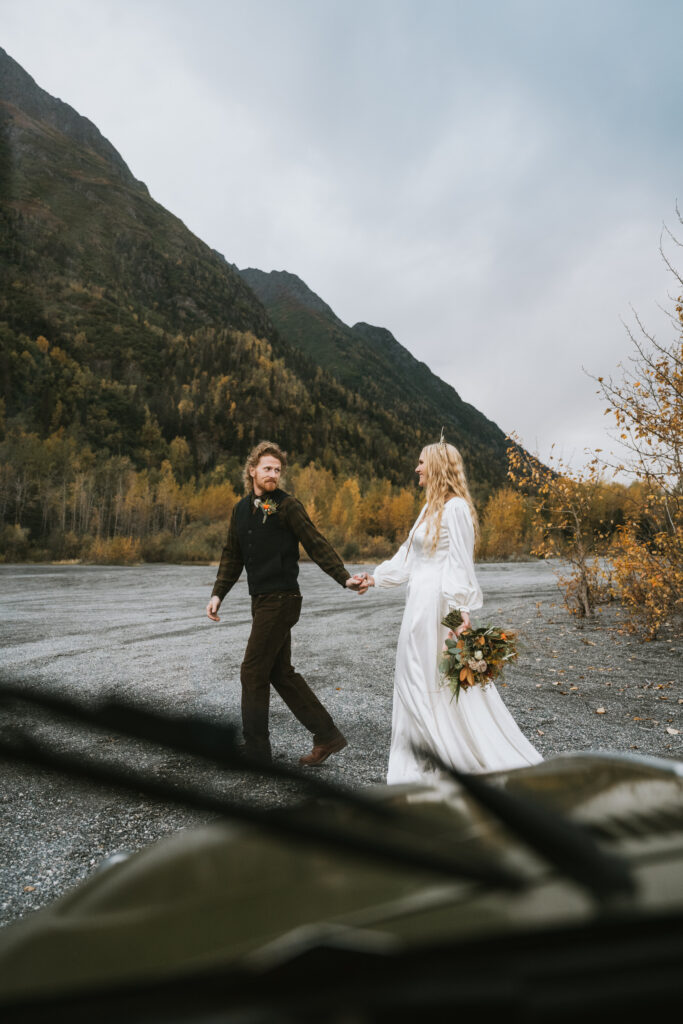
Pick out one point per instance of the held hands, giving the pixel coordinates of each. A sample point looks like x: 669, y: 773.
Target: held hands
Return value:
x: 360, y: 582
x: 212, y: 609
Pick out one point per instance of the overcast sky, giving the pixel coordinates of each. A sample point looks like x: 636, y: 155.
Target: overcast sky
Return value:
x: 486, y: 179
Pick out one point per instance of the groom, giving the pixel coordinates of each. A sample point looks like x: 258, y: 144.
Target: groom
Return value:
x: 265, y: 530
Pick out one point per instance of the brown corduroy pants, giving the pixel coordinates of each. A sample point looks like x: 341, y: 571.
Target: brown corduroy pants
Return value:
x: 268, y: 661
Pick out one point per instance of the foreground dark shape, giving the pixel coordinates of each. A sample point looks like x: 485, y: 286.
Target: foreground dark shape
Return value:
x: 543, y: 893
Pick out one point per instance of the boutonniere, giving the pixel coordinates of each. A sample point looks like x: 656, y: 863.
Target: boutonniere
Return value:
x: 268, y: 507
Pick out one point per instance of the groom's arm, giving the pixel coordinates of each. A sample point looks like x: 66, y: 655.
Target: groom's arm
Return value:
x: 231, y: 564
x: 314, y: 544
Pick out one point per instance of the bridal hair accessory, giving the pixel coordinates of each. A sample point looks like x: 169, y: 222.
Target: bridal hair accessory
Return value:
x: 476, y: 657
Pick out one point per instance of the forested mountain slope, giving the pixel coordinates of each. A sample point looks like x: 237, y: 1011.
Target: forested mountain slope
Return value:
x: 371, y: 362
x: 123, y: 328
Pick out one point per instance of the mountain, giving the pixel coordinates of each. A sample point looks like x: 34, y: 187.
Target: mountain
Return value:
x: 123, y: 330
x: 370, y: 361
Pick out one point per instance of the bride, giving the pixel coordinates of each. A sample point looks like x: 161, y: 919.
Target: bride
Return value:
x: 477, y: 733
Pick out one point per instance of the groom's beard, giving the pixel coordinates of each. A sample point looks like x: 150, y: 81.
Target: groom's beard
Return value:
x: 266, y: 487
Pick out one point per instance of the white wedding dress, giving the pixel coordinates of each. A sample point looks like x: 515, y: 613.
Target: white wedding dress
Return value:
x: 477, y: 733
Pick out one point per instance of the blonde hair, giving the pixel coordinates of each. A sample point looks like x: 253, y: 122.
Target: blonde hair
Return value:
x: 255, y: 456
x: 444, y: 478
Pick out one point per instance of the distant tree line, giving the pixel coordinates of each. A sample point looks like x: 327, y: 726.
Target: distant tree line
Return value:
x: 60, y: 500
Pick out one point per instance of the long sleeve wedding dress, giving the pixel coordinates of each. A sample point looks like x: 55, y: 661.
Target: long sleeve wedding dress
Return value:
x: 477, y: 733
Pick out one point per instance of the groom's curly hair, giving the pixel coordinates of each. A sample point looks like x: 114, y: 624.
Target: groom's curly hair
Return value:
x: 255, y: 456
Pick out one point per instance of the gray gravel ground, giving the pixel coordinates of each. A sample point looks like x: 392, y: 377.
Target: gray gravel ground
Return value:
x: 140, y: 634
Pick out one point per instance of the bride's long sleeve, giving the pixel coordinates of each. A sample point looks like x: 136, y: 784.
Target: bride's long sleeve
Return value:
x: 459, y: 581
x: 396, y: 570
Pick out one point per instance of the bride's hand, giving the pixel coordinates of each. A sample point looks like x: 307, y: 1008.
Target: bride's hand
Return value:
x: 465, y: 624
x: 366, y: 581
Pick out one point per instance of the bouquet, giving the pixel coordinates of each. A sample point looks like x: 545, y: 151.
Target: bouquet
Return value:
x: 477, y: 656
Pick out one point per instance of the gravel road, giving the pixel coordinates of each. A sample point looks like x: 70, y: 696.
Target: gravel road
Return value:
x: 140, y: 634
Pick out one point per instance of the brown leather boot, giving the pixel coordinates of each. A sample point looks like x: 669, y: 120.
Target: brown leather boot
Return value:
x: 321, y: 752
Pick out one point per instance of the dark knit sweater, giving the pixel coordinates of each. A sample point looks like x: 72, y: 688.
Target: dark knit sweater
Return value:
x: 268, y: 547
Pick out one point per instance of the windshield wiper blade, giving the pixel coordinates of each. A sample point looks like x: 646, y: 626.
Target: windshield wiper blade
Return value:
x: 187, y: 734
x: 390, y: 840
x: 563, y: 843
x: 388, y: 848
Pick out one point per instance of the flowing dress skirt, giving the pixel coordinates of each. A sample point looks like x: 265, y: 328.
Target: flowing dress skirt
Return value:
x: 475, y: 734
